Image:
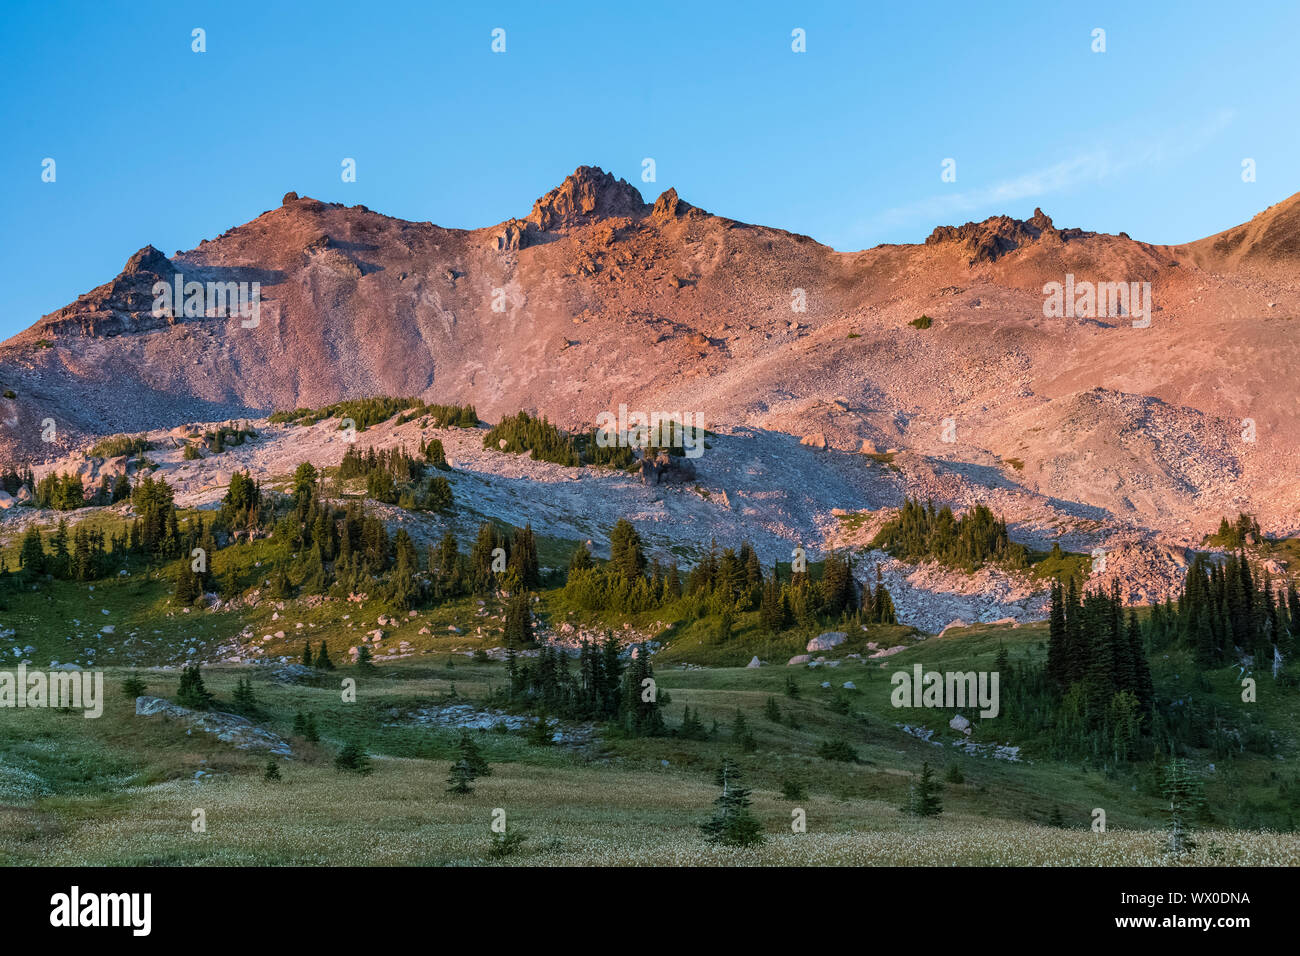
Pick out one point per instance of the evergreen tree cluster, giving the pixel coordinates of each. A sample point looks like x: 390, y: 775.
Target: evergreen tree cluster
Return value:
x: 68, y: 492
x: 723, y: 583
x: 1228, y: 609
x: 12, y: 479
x: 537, y: 436
x: 545, y: 442
x: 363, y: 412
x: 923, y: 533
x: 1237, y: 534
x: 603, y: 689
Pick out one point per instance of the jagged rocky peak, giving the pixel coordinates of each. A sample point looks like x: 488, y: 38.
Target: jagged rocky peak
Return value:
x: 149, y: 261
x: 588, y: 193
x: 994, y: 237
x: 670, y: 206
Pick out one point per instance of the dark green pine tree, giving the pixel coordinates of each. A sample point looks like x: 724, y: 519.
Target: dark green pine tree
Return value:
x: 519, y: 622
x: 581, y: 559
x: 187, y: 587
x: 838, y: 592
x: 245, y: 700
x: 353, y: 759
x: 191, y: 692
x: 1075, y: 649
x: 523, y: 557
x: 461, y: 776
x: 924, y: 799
x: 1002, y: 662
x: 1183, y: 791
x: 692, y: 727
x: 323, y: 658
x: 882, y: 605
x: 467, y: 751
x: 626, y: 558
x: 773, y: 611
x: 732, y: 823
x: 772, y: 710
x: 1143, y: 687
x: 306, y: 656
x: 640, y: 709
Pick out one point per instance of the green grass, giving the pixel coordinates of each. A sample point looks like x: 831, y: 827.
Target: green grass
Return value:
x: 1070, y: 564
x: 121, y: 790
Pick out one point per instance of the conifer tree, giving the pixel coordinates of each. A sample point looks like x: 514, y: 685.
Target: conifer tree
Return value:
x: 732, y: 823
x: 468, y: 751
x: 772, y: 710
x: 353, y: 759
x: 924, y: 797
x: 519, y: 622
x: 244, y: 699
x: 191, y: 692
x: 461, y: 776
x: 1002, y: 663
x: 306, y: 656
x: 1183, y: 791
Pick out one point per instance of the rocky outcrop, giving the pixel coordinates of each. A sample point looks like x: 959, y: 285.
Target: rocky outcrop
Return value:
x: 124, y: 304
x: 664, y: 467
x: 987, y: 241
x: 670, y: 206
x: 589, y: 193
x: 827, y: 640
x: 239, y: 732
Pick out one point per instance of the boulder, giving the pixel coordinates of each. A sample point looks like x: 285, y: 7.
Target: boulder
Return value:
x: 664, y: 467
x: 956, y: 623
x: 826, y: 640
x: 6, y: 500
x: 754, y: 662
x: 961, y: 724
x: 814, y: 440
x: 799, y: 659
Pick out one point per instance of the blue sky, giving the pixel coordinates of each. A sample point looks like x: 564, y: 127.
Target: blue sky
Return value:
x: 155, y: 143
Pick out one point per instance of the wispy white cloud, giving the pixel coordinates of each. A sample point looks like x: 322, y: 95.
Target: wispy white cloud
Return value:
x: 1094, y: 166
